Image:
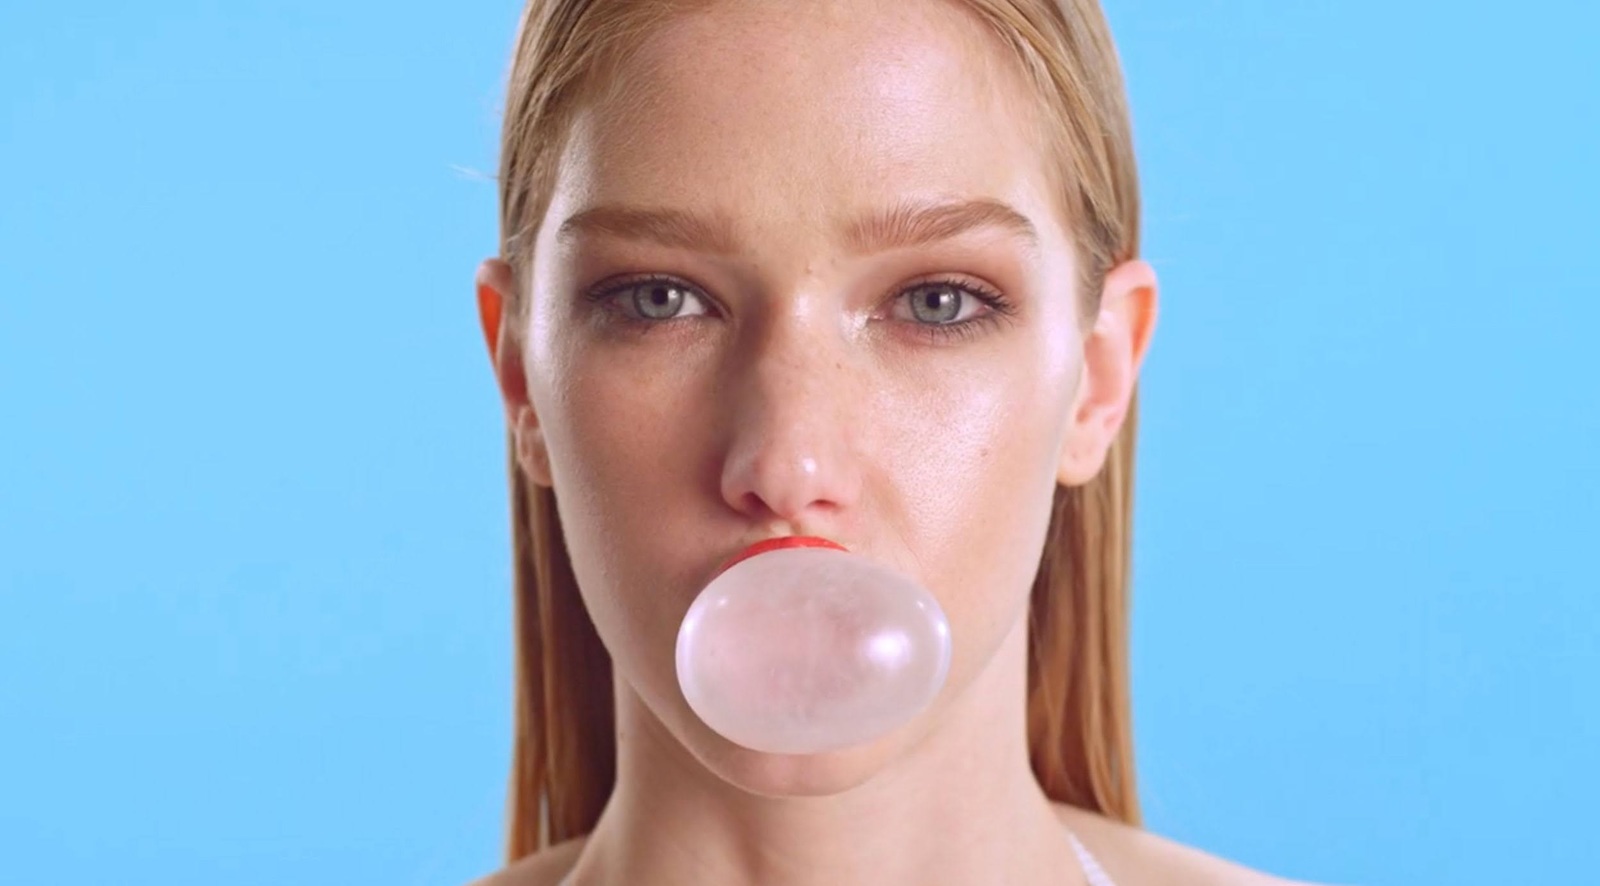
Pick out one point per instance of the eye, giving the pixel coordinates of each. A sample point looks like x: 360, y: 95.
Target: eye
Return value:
x: 937, y: 309
x: 659, y: 299
x: 938, y: 303
x: 649, y: 300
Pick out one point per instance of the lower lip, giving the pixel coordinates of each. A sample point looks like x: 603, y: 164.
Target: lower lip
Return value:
x: 773, y: 544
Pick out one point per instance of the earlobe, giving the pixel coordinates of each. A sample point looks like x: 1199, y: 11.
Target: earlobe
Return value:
x: 1096, y: 415
x: 494, y: 285
x: 1113, y: 352
x: 532, y: 454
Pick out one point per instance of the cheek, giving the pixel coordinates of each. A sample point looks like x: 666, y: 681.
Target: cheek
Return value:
x: 974, y: 467
x: 618, y: 448
x: 621, y: 459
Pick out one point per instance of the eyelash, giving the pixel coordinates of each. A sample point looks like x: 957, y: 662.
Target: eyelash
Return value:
x: 999, y: 307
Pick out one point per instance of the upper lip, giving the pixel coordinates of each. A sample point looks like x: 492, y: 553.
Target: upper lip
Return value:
x: 740, y: 552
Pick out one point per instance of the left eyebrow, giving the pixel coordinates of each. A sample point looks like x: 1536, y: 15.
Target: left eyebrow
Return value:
x: 910, y: 223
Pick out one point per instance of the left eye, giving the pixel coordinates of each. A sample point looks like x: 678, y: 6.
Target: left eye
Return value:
x: 938, y: 303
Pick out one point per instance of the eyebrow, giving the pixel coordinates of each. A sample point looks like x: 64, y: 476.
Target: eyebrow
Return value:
x: 912, y: 223
x: 668, y: 227
x: 904, y: 224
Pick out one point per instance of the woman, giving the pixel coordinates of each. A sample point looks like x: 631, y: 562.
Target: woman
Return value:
x: 859, y: 270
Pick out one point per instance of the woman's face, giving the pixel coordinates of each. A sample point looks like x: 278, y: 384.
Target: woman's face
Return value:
x: 803, y: 273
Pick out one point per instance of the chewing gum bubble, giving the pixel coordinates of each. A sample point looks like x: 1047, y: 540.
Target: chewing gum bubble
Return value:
x: 800, y: 647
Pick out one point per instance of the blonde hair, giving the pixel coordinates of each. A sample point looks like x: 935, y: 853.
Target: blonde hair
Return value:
x: 1079, y: 720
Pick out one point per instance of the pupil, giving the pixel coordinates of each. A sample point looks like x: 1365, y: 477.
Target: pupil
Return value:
x: 936, y: 298
x: 657, y: 301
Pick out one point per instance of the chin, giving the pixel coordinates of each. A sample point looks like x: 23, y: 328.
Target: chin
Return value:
x: 797, y: 775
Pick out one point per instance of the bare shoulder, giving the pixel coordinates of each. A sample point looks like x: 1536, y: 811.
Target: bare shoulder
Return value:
x: 543, y: 868
x: 1135, y: 857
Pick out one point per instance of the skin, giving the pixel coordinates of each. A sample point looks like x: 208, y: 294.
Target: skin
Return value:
x: 795, y: 390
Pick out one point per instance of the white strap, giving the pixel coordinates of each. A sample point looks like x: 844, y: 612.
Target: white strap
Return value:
x: 1092, y: 871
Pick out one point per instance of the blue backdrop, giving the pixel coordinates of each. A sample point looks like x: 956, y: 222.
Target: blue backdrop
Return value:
x: 254, y: 579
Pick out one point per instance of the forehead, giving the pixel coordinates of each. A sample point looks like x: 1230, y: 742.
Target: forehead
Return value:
x: 807, y: 112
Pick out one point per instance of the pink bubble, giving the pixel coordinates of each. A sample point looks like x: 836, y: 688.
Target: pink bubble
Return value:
x: 804, y: 650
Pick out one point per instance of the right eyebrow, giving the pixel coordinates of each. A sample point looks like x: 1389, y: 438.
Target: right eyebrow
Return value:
x: 668, y: 227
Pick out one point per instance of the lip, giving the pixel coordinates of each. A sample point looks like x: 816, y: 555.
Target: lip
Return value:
x: 773, y: 544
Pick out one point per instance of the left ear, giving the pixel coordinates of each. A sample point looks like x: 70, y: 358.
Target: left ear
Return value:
x: 1113, y: 351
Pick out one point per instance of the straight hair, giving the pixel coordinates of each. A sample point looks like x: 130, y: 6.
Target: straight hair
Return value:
x: 1080, y: 736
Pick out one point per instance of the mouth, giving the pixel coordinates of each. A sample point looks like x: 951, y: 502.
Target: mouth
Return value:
x: 773, y: 544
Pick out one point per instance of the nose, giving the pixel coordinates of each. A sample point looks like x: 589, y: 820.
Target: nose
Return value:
x: 791, y: 410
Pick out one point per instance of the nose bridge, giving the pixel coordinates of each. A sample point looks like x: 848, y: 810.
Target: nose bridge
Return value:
x: 790, y: 405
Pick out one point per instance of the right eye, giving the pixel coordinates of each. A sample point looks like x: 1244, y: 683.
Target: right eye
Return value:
x: 650, y: 300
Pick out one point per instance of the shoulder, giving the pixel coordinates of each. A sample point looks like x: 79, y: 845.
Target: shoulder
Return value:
x: 1133, y: 856
x: 543, y: 868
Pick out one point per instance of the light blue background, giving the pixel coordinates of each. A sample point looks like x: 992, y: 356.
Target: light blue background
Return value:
x: 254, y: 614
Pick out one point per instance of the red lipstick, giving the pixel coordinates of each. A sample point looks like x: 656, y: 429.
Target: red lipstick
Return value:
x: 773, y: 544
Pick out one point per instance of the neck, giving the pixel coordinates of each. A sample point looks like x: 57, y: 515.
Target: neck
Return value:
x: 956, y: 804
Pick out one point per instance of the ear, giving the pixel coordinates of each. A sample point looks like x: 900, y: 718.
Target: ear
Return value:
x: 497, y: 286
x: 1113, y: 352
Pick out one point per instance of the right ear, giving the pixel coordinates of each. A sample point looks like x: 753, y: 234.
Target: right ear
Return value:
x: 496, y: 285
